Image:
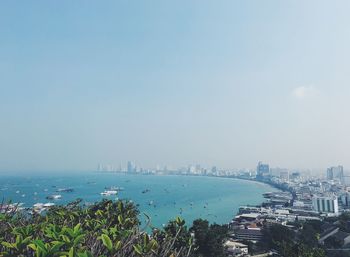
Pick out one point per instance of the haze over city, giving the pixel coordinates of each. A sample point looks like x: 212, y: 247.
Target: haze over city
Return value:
x: 224, y: 83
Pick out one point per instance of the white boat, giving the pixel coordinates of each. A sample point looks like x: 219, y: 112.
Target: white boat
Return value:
x: 114, y: 188
x: 109, y: 192
x: 10, y: 208
x: 48, y: 205
x: 67, y: 190
x: 54, y: 197
x: 40, y: 207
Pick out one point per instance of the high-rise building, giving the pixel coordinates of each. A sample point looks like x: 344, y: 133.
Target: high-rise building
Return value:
x: 330, y: 174
x: 262, y: 170
x: 284, y: 175
x: 295, y: 175
x: 130, y: 167
x: 345, y: 199
x: 325, y: 204
x: 336, y: 173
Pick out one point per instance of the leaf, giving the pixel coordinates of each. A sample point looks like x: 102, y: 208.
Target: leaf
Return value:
x: 65, y: 238
x: 77, y: 228
x: 78, y: 240
x: 56, y: 246
x: 118, y: 245
x: 8, y: 245
x: 107, y: 241
x: 71, y: 252
x: 179, y: 221
x: 40, y: 244
x: 120, y: 219
x: 32, y: 246
x: 85, y: 254
x: 138, y: 249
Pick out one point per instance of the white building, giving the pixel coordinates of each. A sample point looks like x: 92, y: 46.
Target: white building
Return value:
x: 325, y: 204
x: 236, y: 248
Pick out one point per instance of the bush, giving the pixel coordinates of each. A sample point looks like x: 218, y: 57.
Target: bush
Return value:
x: 106, y: 228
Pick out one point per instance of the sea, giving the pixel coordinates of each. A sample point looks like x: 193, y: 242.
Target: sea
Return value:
x: 161, y: 197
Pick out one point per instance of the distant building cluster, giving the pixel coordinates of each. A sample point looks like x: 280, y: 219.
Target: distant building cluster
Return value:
x: 314, y: 195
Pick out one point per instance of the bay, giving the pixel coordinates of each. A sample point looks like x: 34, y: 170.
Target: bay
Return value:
x: 161, y: 197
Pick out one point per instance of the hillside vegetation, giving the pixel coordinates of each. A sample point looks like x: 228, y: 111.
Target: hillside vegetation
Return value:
x: 107, y: 228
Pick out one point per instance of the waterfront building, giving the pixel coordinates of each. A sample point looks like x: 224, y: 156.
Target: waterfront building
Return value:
x: 249, y: 234
x: 236, y: 248
x: 131, y: 167
x: 262, y: 170
x: 325, y: 204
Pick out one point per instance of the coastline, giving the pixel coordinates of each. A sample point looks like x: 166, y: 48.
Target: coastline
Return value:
x: 217, y: 200
x: 262, y: 182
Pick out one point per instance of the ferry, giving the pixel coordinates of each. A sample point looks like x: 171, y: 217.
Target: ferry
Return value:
x: 109, y: 192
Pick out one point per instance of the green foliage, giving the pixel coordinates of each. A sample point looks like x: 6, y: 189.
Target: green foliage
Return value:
x: 344, y: 222
x: 106, y: 228
x: 209, y: 239
x: 287, y: 243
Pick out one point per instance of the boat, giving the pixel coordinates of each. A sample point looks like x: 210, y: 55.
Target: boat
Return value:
x: 10, y: 208
x: 109, y: 192
x: 40, y: 207
x: 66, y: 190
x: 54, y: 197
x: 114, y: 188
x: 145, y: 191
x: 48, y: 205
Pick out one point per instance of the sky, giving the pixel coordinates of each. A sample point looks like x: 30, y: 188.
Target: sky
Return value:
x: 225, y: 83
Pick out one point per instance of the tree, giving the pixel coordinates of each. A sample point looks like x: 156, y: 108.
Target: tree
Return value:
x: 209, y: 239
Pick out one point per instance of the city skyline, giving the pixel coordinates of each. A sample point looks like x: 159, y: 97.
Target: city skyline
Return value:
x: 262, y: 169
x: 226, y: 83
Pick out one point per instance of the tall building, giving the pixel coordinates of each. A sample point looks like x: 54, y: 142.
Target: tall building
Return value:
x: 330, y: 174
x: 336, y: 173
x: 262, y: 170
x: 294, y: 176
x: 345, y: 199
x: 130, y: 167
x: 325, y: 204
x: 284, y: 175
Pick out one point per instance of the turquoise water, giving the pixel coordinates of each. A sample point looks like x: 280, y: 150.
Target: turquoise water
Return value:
x: 211, y: 198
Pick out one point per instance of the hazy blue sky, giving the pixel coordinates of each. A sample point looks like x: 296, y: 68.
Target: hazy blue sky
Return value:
x: 174, y: 82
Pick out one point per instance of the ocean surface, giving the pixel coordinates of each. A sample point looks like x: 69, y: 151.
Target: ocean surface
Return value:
x: 161, y: 197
